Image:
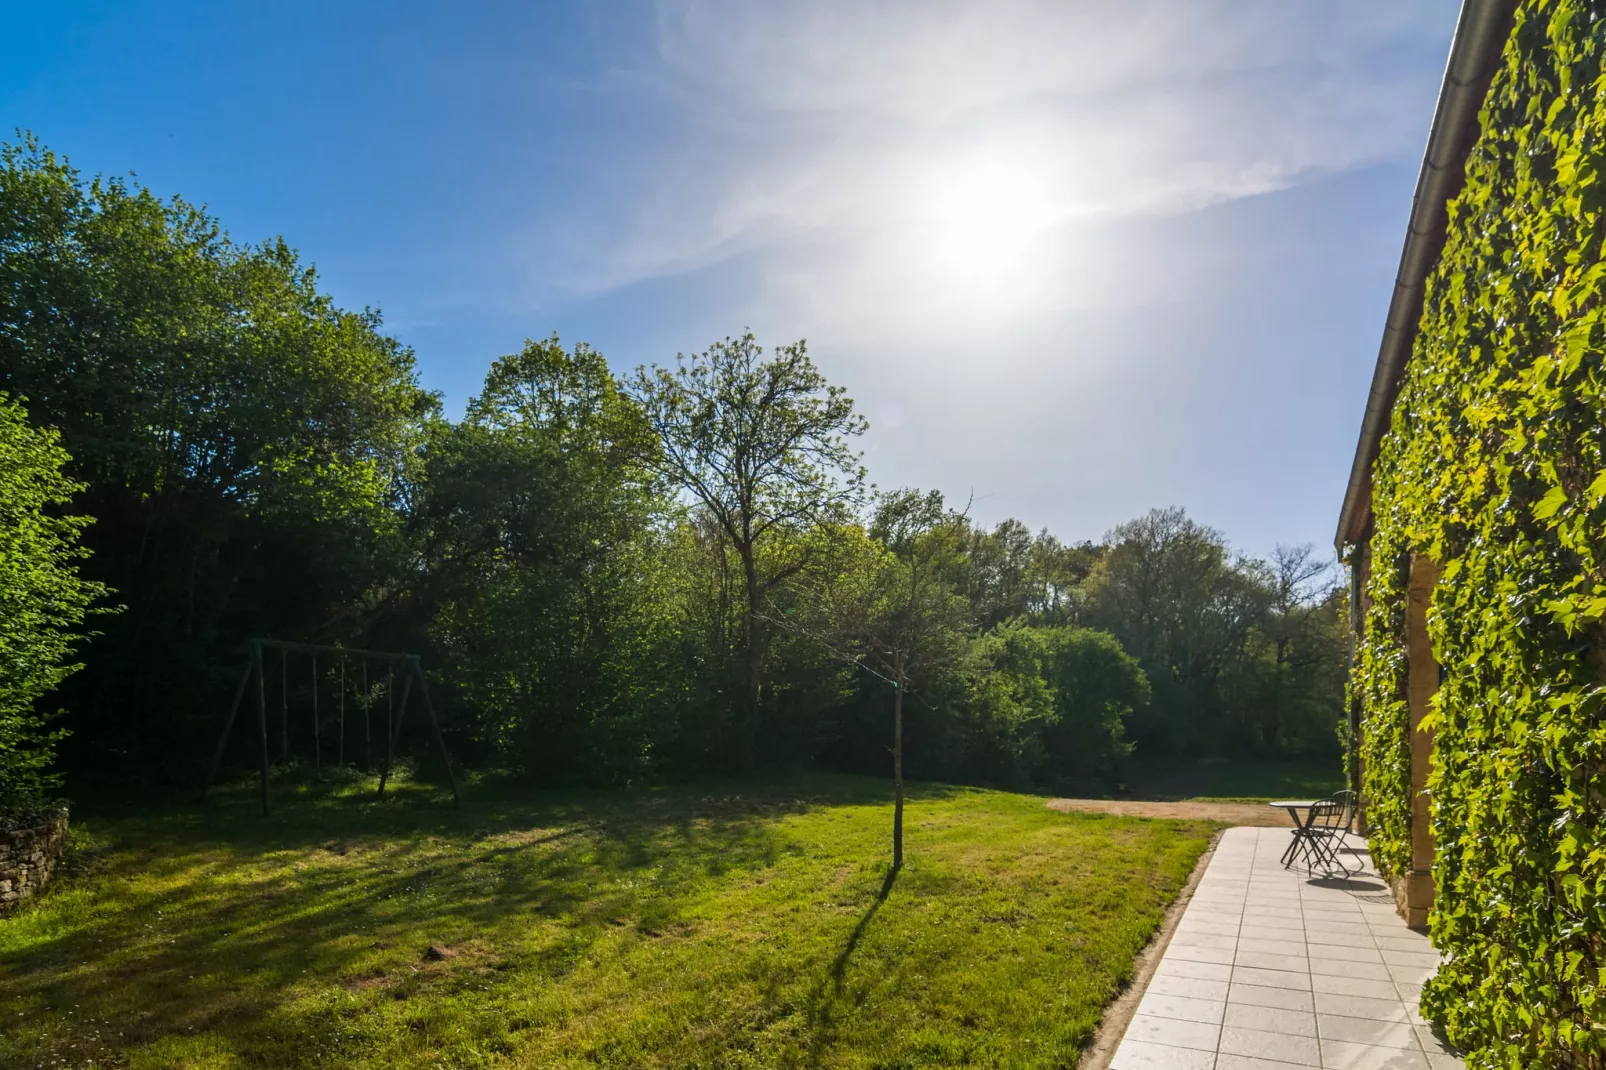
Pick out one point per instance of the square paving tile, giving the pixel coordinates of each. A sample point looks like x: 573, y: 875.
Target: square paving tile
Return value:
x: 1192, y: 938
x: 1173, y: 1032
x: 1249, y: 1062
x: 1189, y: 1008
x: 1284, y: 1047
x: 1430, y: 1042
x: 1219, y: 955
x: 1399, y: 942
x: 1271, y: 971
x: 1342, y: 936
x: 1264, y: 960
x: 1140, y: 1055
x: 1354, y: 986
x: 1340, y: 1055
x: 1378, y: 1010
x: 1348, y: 952
x: 1258, y: 996
x: 1413, y: 975
x: 1250, y: 975
x: 1374, y: 971
x: 1270, y: 1019
x: 1271, y: 942
x: 1193, y: 987
x: 1277, y: 928
x: 1210, y: 971
x: 1366, y: 1031
x: 1212, y: 913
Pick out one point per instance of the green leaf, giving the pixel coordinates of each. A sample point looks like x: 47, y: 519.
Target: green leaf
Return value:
x: 1547, y: 506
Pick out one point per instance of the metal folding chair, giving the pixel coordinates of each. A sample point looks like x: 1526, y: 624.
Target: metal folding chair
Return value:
x: 1349, y: 799
x: 1324, y: 834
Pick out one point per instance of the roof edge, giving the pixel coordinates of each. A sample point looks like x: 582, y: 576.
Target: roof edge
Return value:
x: 1480, y: 36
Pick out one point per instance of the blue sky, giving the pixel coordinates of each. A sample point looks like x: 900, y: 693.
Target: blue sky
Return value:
x: 1076, y: 260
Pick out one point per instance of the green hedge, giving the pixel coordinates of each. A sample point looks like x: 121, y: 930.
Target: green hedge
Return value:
x: 1495, y: 465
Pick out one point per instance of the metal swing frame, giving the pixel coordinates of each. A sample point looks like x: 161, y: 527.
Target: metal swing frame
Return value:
x: 411, y: 672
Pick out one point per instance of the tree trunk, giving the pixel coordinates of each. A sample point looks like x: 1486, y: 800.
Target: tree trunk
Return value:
x: 897, y: 777
x: 755, y: 659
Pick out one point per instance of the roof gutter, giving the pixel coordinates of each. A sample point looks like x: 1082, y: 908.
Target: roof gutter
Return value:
x: 1480, y: 37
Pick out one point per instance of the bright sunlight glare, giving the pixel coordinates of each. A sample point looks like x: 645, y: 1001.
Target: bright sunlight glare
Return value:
x: 984, y: 222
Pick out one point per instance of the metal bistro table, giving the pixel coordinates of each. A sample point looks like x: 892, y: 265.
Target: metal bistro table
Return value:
x: 1302, y: 811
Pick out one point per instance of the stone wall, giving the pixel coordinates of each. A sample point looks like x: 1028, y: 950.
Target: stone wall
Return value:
x: 27, y: 858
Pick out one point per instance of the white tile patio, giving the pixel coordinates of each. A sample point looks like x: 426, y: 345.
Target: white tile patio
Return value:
x: 1269, y: 970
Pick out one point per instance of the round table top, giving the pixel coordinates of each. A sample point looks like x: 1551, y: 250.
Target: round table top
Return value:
x: 1285, y: 804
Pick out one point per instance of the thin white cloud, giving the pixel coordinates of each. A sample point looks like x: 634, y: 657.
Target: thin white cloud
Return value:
x: 918, y: 151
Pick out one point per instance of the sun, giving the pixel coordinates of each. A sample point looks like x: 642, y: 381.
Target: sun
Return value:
x: 984, y: 221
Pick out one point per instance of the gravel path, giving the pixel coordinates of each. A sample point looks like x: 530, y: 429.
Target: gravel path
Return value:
x: 1254, y: 814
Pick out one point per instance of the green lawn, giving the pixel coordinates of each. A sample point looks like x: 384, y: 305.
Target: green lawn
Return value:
x: 722, y: 925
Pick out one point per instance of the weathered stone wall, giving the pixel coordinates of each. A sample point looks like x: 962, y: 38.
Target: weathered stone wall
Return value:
x: 27, y: 858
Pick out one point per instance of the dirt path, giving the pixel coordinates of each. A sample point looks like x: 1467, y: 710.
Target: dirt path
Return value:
x: 1256, y: 814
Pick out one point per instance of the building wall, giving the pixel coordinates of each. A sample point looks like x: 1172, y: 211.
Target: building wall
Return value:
x: 1494, y: 471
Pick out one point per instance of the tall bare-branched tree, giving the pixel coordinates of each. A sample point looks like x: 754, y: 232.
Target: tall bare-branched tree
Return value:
x: 765, y: 446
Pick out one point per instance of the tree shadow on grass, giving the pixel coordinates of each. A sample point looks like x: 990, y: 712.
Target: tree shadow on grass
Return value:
x: 208, y: 920
x: 831, y: 988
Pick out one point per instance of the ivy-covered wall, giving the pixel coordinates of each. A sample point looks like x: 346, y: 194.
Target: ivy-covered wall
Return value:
x: 1495, y: 465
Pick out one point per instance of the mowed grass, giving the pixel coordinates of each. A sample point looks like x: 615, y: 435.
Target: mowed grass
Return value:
x: 718, y: 925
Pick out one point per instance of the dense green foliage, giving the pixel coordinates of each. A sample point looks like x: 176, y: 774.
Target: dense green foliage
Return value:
x: 43, y: 601
x: 1495, y: 466
x: 1070, y: 691
x: 244, y: 443
x: 1245, y: 656
x: 535, y: 518
x: 719, y: 924
x: 763, y: 446
x: 610, y: 578
x: 1380, y: 681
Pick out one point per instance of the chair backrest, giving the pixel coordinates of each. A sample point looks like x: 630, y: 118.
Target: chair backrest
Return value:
x: 1346, y: 797
x: 1329, y: 814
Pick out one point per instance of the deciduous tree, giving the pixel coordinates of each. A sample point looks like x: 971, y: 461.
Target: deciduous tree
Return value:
x: 43, y: 601
x: 901, y: 606
x: 764, y: 445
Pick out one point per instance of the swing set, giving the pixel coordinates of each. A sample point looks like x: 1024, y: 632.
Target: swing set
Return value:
x: 407, y: 665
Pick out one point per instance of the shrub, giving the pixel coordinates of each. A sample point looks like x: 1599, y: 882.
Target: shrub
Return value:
x: 43, y: 602
x: 1066, y: 692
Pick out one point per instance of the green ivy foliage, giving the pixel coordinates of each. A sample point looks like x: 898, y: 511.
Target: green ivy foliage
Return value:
x: 1495, y: 465
x: 1385, y: 745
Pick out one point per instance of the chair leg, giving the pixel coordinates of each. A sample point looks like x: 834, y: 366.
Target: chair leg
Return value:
x: 1298, y: 847
x: 1315, y: 850
x: 1342, y: 842
x: 1325, y: 845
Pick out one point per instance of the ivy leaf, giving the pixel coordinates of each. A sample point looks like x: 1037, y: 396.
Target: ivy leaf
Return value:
x: 1597, y: 489
x: 1547, y: 506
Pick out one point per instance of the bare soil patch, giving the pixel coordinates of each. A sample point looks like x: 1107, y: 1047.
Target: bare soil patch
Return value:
x: 1258, y: 815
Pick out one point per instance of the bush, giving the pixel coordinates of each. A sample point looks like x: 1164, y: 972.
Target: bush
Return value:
x: 43, y: 602
x: 1065, y: 694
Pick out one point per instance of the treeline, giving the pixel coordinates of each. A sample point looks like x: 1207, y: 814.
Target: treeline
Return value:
x: 673, y: 572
